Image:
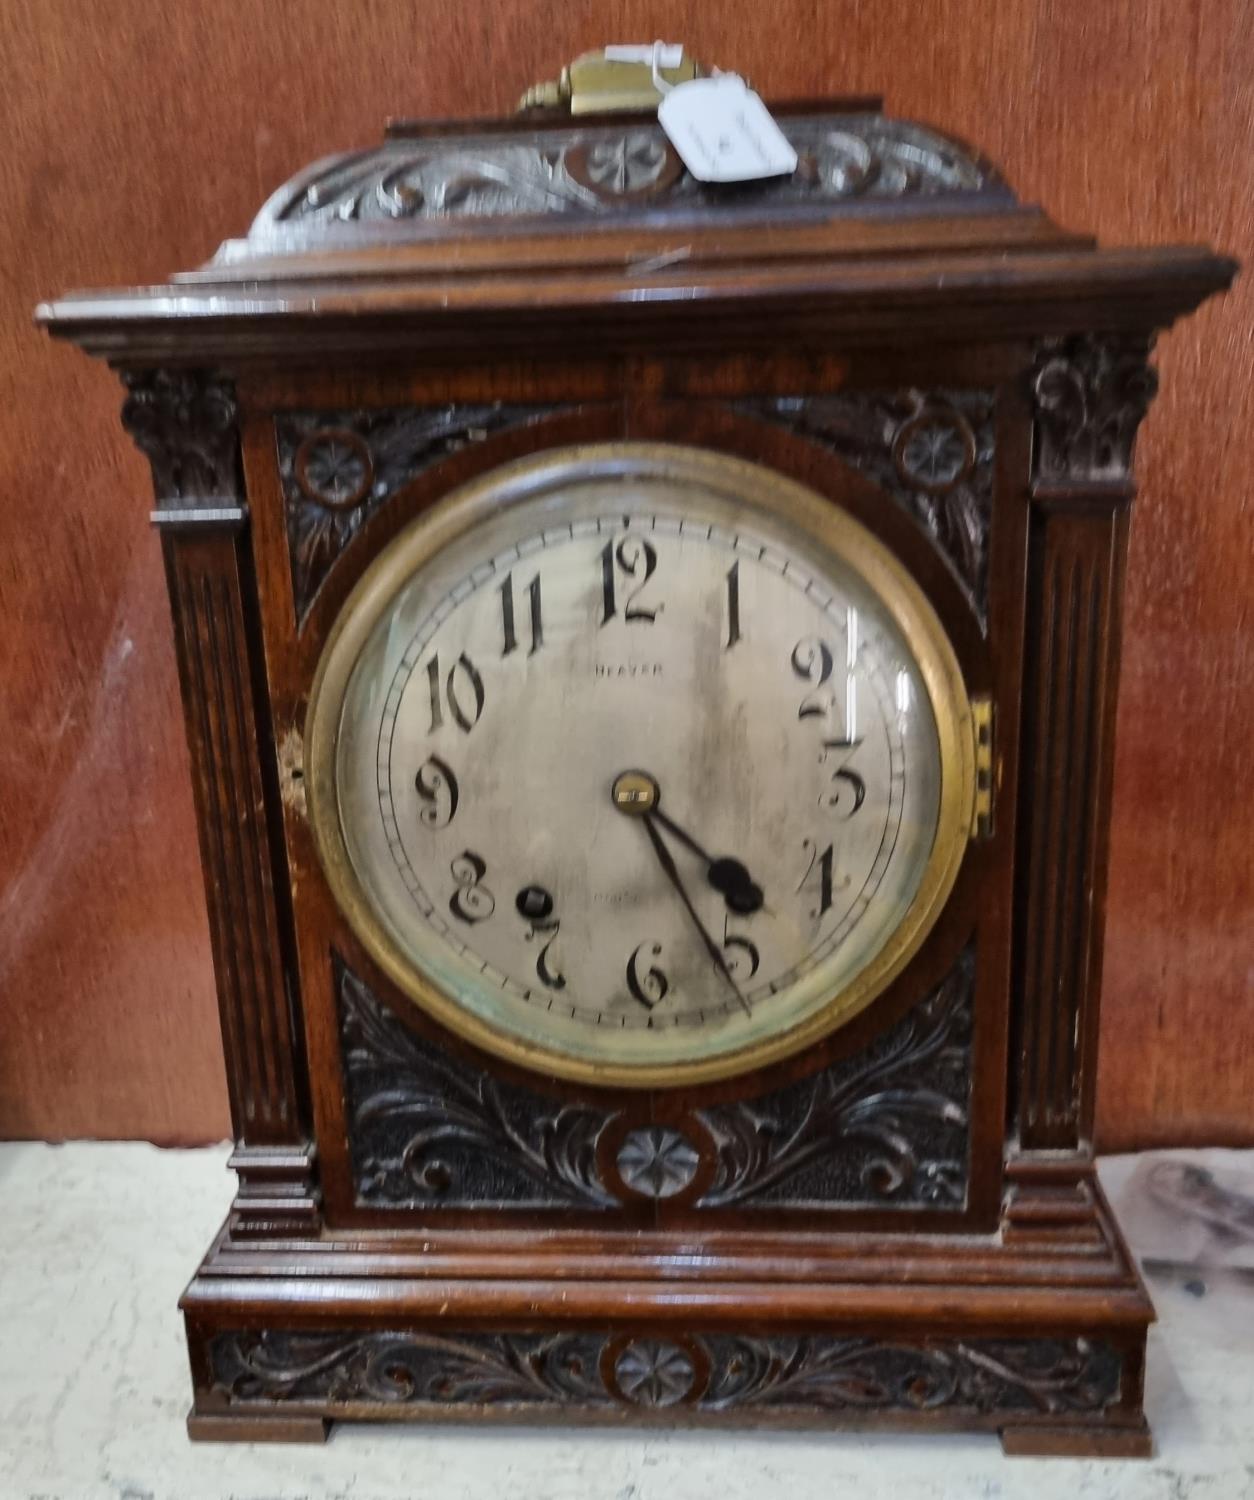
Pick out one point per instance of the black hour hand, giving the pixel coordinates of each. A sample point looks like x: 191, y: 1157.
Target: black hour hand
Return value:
x: 733, y: 882
x: 726, y: 875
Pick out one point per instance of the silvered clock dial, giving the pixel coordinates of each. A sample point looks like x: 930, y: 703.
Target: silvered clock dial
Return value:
x: 639, y: 764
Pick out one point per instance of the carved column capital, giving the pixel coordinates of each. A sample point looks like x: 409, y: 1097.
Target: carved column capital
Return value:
x: 1090, y: 392
x: 184, y: 422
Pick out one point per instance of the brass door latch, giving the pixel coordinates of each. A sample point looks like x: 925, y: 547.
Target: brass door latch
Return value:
x: 982, y: 734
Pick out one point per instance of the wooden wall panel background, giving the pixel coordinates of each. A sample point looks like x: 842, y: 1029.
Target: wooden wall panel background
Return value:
x: 135, y: 137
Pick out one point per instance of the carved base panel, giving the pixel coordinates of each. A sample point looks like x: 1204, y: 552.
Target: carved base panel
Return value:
x: 1037, y: 1332
x: 1051, y: 1392
x: 436, y: 1373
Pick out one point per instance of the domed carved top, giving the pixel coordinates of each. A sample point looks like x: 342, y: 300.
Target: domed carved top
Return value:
x: 449, y: 235
x: 572, y: 169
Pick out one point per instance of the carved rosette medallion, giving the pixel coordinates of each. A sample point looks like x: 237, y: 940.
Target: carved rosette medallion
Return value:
x: 639, y: 164
x: 656, y: 1161
x: 719, y: 1372
x: 338, y: 467
x: 931, y: 452
x: 1091, y: 393
x: 935, y: 450
x: 887, y: 1127
x: 184, y: 422
x: 333, y: 468
x: 653, y: 1373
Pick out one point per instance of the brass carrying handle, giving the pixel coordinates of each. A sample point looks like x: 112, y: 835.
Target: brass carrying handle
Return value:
x: 595, y: 84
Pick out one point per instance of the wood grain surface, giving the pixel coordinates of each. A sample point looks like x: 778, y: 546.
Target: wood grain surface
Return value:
x: 137, y: 137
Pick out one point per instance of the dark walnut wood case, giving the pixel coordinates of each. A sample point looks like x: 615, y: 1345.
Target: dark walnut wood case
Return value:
x: 902, y: 1226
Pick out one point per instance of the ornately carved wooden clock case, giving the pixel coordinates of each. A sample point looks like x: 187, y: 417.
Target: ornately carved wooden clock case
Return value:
x: 902, y: 1223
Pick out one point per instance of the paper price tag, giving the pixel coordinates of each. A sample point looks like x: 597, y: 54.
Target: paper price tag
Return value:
x: 723, y: 131
x: 668, y: 55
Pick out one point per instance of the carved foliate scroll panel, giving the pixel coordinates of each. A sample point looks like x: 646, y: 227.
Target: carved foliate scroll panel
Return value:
x: 338, y: 467
x: 703, y: 1373
x: 426, y: 1128
x: 888, y: 1127
x: 596, y: 170
x: 931, y: 451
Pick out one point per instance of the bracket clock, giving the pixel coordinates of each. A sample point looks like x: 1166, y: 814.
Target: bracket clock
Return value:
x: 649, y: 655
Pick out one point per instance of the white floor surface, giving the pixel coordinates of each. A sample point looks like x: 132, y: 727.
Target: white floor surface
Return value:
x: 100, y: 1239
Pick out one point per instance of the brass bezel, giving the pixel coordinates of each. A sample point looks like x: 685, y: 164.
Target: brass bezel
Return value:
x: 819, y: 522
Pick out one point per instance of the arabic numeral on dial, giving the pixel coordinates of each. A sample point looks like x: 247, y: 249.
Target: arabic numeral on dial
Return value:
x: 535, y: 906
x: 462, y: 688
x: 741, y: 953
x: 472, y: 901
x: 508, y: 632
x: 820, y: 870
x: 733, y: 604
x: 651, y: 987
x: 437, y: 786
x: 635, y: 557
x: 812, y: 661
x: 546, y: 972
x: 847, y: 791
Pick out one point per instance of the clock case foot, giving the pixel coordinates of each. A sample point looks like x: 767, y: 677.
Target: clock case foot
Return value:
x: 1062, y: 1441
x: 1035, y: 1333
x: 269, y: 1427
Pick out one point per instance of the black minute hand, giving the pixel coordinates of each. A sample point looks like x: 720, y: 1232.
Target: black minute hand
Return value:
x: 672, y: 874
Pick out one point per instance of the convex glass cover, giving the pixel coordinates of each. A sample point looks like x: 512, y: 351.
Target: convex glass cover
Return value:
x: 639, y: 764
